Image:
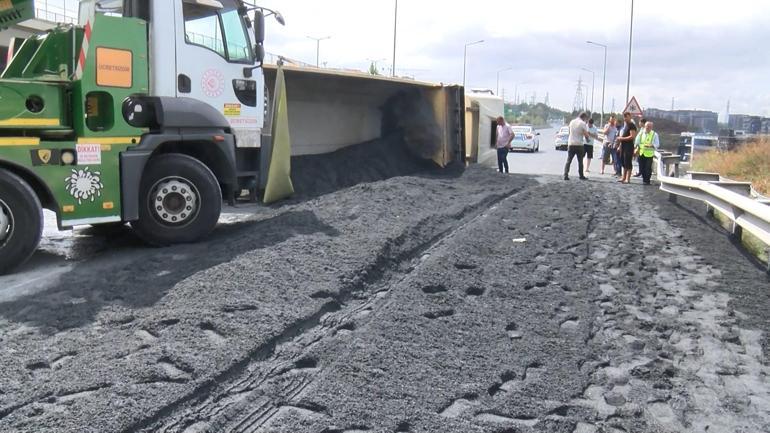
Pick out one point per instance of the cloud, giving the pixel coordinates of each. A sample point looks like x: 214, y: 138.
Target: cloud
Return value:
x: 700, y: 54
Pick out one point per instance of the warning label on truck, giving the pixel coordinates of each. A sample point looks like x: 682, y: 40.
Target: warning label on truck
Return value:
x: 232, y: 109
x: 113, y: 67
x: 5, y: 5
x: 89, y: 154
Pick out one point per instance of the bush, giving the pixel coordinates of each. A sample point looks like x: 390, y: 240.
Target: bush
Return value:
x: 750, y: 163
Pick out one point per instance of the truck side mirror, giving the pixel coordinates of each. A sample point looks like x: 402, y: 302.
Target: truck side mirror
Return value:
x: 259, y: 27
x: 259, y: 53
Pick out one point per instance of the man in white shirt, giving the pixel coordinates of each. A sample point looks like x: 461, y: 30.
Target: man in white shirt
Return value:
x: 578, y: 132
x: 504, y: 138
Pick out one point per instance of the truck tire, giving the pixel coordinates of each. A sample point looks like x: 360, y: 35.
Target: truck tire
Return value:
x: 21, y: 221
x: 180, y: 200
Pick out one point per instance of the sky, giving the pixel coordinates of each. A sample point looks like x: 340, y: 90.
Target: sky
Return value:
x: 701, y: 53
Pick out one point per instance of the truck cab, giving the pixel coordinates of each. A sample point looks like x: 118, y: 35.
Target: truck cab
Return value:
x: 144, y: 112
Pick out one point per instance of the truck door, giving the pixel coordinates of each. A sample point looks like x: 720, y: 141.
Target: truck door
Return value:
x: 211, y: 55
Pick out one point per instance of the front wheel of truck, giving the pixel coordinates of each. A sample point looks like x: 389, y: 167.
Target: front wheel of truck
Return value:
x: 180, y: 200
x: 21, y: 221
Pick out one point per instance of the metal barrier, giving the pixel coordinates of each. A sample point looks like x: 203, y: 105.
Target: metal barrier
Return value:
x: 746, y: 209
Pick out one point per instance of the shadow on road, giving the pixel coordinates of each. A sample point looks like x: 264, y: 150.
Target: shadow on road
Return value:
x: 142, y: 277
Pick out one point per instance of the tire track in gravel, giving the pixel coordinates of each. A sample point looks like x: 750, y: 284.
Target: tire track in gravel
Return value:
x: 218, y: 403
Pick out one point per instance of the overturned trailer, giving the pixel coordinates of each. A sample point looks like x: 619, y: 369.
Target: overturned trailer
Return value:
x: 331, y: 109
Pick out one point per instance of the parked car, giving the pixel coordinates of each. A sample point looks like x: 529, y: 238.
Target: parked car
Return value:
x: 525, y: 138
x: 562, y: 138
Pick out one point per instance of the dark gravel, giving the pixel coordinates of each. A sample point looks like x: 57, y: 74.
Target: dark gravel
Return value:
x: 435, y: 302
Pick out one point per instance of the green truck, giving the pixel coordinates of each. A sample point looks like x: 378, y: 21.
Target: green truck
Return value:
x: 151, y: 112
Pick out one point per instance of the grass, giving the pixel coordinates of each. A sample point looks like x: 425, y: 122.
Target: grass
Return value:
x: 749, y: 163
x: 750, y: 242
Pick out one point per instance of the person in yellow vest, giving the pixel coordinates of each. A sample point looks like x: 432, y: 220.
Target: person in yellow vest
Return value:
x: 647, y: 143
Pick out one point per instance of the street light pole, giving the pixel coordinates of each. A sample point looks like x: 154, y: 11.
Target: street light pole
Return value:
x: 318, y: 48
x: 593, y: 81
x: 630, y: 40
x: 465, y: 57
x: 498, y: 79
x: 395, y: 28
x: 604, y: 78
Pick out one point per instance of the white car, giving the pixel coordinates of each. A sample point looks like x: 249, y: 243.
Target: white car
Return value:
x: 562, y: 138
x: 525, y: 138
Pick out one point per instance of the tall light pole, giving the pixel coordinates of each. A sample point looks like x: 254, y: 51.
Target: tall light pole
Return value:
x: 630, y: 40
x: 395, y: 28
x: 593, y: 81
x: 318, y: 47
x: 465, y: 57
x: 498, y: 79
x: 604, y: 78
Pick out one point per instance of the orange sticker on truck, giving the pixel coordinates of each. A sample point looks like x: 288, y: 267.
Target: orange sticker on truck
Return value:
x: 5, y: 5
x: 113, y: 67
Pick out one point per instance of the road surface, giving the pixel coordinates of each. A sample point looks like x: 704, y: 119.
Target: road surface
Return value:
x: 437, y: 302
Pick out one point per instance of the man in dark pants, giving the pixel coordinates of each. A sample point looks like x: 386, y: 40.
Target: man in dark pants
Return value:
x: 504, y: 138
x: 626, y: 140
x: 648, y: 143
x: 578, y: 133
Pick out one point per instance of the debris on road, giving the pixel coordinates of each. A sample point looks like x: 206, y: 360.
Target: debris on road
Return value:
x: 398, y: 305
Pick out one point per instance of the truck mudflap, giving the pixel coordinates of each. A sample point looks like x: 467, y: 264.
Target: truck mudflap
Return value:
x: 330, y: 110
x: 277, y: 156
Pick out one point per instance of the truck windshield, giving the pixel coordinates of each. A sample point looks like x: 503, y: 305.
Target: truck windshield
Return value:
x: 220, y: 31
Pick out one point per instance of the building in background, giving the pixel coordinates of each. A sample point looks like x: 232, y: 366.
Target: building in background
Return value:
x: 705, y: 121
x: 48, y: 13
x: 750, y: 124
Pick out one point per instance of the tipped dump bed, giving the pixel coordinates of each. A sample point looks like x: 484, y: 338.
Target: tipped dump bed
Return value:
x: 330, y: 110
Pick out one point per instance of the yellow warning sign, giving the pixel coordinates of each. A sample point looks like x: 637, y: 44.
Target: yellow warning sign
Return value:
x: 232, y: 109
x: 113, y: 67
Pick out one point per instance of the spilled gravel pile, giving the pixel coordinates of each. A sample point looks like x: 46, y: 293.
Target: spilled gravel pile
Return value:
x: 314, y: 175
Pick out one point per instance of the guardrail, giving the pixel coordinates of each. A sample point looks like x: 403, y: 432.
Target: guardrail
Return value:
x: 737, y: 201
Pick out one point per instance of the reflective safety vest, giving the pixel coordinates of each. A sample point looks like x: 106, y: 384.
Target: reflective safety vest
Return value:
x: 646, y: 148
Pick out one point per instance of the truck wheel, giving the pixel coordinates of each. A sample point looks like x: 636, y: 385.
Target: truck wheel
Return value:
x: 21, y: 221
x: 180, y: 200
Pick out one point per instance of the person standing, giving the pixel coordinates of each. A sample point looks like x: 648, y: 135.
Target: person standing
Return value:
x: 504, y: 139
x: 593, y: 133
x: 649, y: 142
x: 636, y: 144
x: 610, y: 132
x: 617, y: 164
x: 578, y: 132
x: 626, y: 139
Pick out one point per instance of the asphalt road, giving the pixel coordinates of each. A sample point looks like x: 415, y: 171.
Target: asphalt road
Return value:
x: 453, y: 302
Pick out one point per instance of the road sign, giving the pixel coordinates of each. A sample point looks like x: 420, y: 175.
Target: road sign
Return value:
x: 633, y: 107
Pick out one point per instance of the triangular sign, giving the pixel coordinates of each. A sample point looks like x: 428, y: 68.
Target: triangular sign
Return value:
x: 633, y: 107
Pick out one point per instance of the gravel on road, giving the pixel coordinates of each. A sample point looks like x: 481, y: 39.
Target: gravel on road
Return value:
x: 458, y: 301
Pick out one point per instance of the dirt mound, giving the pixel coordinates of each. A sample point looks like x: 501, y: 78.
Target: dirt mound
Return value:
x: 379, y: 159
